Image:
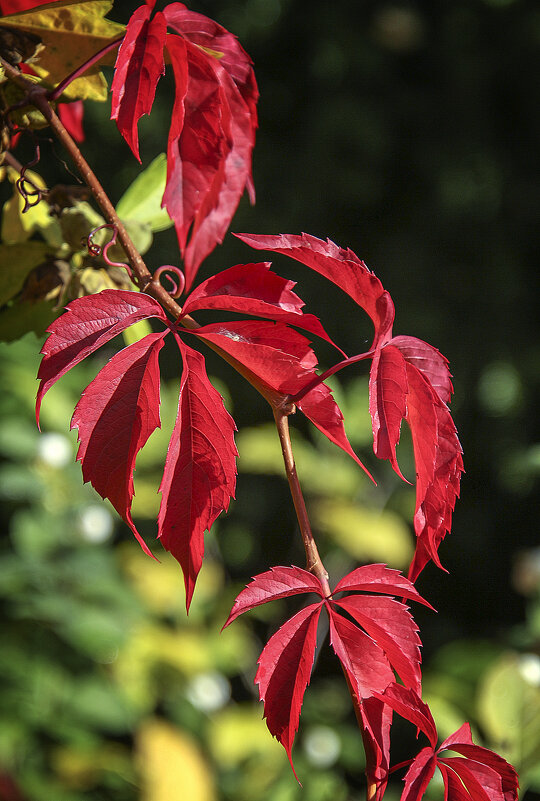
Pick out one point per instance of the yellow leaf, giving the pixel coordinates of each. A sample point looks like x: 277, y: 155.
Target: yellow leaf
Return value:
x: 18, y: 226
x: 71, y: 34
x: 171, y: 765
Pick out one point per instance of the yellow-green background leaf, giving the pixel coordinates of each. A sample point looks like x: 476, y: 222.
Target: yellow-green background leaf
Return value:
x: 71, y: 34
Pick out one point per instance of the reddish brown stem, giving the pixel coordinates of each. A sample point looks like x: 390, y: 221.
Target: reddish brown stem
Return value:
x: 62, y: 86
x: 313, y: 560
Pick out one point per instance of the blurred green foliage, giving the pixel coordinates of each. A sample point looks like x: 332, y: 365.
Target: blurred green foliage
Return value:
x: 109, y: 692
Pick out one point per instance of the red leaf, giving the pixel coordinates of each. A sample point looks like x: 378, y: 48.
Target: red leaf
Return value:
x: 139, y: 66
x: 476, y: 778
x: 483, y: 775
x: 419, y: 775
x: 389, y: 623
x: 387, y: 402
x: 212, y: 132
x: 410, y: 706
x: 280, y: 358
x: 249, y: 288
x: 376, y: 722
x: 71, y: 115
x: 278, y: 582
x: 340, y: 266
x: 276, y: 355
x: 115, y: 416
x: 320, y: 407
x: 209, y: 35
x: 454, y: 789
x: 399, y: 389
x: 200, y: 470
x: 284, y: 671
x: 439, y: 465
x: 462, y: 738
x: 379, y: 578
x: 199, y: 137
x: 87, y: 324
x: 18, y: 6
x: 254, y: 289
x: 429, y: 361
x: 364, y: 660
x: 221, y: 201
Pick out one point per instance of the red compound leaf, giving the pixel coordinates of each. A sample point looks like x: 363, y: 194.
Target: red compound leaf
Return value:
x: 139, y: 66
x: 409, y: 380
x: 87, y: 324
x: 115, y: 416
x: 378, y: 636
x: 477, y: 775
x: 285, y: 666
x: 199, y: 478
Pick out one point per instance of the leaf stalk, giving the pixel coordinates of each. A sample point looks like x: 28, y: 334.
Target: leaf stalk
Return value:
x: 330, y: 372
x: 62, y: 86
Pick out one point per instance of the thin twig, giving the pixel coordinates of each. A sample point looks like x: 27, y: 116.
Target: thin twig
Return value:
x: 313, y: 560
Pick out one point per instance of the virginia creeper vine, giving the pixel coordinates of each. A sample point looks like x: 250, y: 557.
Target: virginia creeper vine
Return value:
x: 371, y: 630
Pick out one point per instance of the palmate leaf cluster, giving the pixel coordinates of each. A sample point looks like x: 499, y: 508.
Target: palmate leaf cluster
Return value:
x: 209, y: 147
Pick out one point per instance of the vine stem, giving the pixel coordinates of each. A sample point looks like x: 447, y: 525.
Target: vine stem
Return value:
x: 313, y: 560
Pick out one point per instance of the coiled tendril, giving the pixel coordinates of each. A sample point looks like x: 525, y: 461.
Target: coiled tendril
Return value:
x: 178, y: 288
x: 98, y: 250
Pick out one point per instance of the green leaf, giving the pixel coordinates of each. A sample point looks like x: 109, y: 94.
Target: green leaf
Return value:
x: 142, y: 200
x: 16, y: 262
x: 78, y: 221
x: 509, y: 708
